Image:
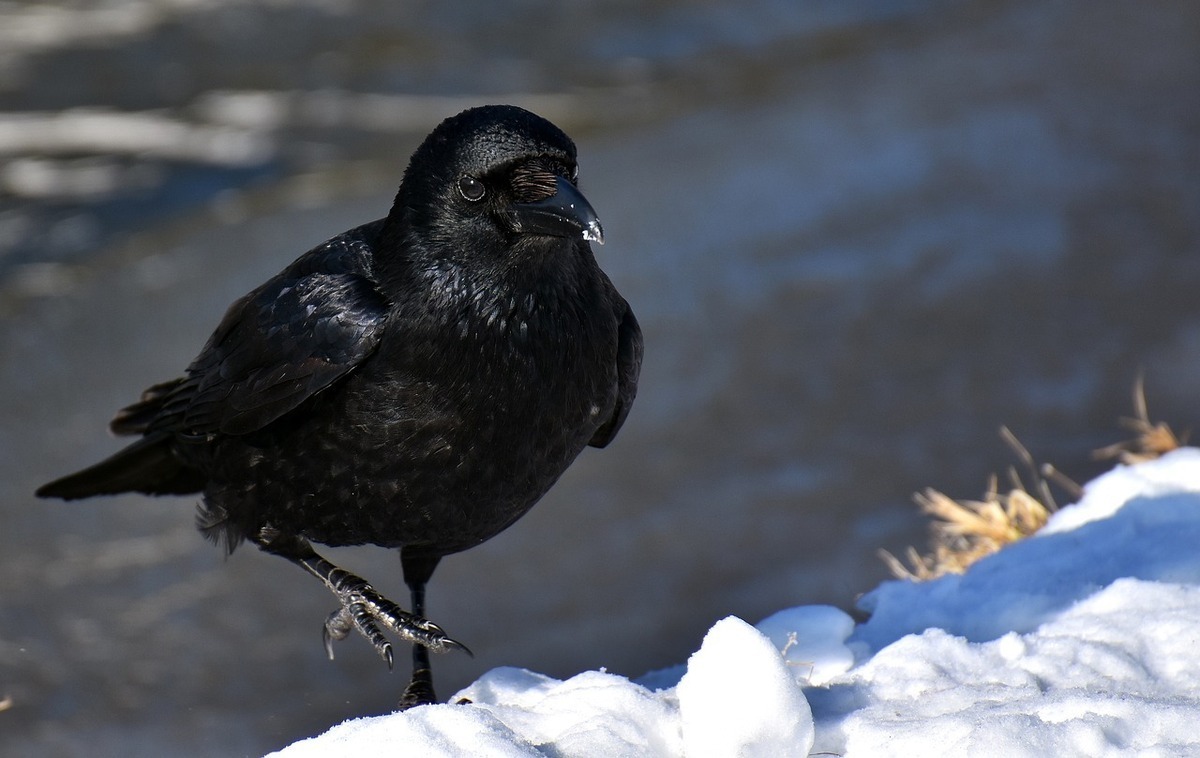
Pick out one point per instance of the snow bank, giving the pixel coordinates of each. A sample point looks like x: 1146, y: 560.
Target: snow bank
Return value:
x: 1078, y: 641
x: 1115, y: 674
x: 738, y: 697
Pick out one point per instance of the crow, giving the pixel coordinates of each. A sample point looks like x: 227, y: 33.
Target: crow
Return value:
x: 418, y: 382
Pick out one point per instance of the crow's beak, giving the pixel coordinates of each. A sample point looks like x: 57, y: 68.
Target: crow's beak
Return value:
x: 566, y: 213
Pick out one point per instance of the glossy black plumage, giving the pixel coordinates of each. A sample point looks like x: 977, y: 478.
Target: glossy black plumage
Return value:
x: 418, y: 382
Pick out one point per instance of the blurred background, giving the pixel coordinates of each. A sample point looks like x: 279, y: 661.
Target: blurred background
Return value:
x: 859, y: 237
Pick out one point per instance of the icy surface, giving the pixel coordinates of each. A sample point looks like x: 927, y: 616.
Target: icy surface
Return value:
x: 1078, y: 641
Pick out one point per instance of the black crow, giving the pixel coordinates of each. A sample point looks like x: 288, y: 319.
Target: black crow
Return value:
x: 418, y: 382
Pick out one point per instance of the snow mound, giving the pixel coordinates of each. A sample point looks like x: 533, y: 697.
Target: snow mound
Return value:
x: 1135, y: 521
x: 724, y: 712
x: 1078, y: 641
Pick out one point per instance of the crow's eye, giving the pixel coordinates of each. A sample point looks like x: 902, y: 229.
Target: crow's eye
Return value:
x: 471, y: 188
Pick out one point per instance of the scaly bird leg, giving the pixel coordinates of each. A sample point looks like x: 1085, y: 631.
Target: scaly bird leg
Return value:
x: 418, y: 568
x: 362, y: 608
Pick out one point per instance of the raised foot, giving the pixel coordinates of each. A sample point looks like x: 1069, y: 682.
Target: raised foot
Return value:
x: 369, y: 613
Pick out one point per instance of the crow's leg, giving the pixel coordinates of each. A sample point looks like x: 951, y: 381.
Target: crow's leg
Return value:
x: 418, y: 568
x: 363, y: 609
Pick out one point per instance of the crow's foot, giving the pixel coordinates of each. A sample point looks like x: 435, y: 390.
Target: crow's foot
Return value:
x: 419, y: 691
x: 369, y: 613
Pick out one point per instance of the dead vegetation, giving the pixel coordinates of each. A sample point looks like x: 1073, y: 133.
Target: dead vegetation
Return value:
x: 963, y: 531
x: 1150, y: 439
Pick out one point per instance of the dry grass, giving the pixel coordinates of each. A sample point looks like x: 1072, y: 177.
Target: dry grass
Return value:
x: 1151, y: 439
x: 966, y: 530
x: 963, y: 531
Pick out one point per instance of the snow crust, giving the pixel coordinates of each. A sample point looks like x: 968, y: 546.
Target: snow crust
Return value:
x: 1081, y: 640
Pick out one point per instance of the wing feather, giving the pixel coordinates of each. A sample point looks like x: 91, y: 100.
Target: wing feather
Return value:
x: 276, y: 347
x: 279, y: 346
x: 629, y: 367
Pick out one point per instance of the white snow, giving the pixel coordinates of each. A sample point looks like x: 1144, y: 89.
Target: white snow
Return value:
x: 739, y: 697
x: 812, y: 638
x: 1082, y: 640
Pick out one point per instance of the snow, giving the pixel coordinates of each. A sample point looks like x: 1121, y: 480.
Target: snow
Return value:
x: 813, y: 638
x: 724, y: 712
x: 1078, y: 641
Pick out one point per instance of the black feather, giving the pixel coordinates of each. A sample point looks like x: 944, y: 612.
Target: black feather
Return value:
x: 147, y: 466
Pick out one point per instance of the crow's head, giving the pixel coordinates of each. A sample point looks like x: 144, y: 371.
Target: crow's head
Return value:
x: 494, y: 178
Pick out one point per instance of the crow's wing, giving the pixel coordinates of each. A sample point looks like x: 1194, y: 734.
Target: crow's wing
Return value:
x: 629, y: 365
x: 276, y: 347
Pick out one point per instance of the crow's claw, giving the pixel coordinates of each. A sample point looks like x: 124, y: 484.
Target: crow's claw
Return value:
x: 369, y: 613
x: 451, y: 644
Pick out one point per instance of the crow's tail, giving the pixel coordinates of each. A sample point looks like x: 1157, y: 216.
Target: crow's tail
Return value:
x: 147, y: 466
